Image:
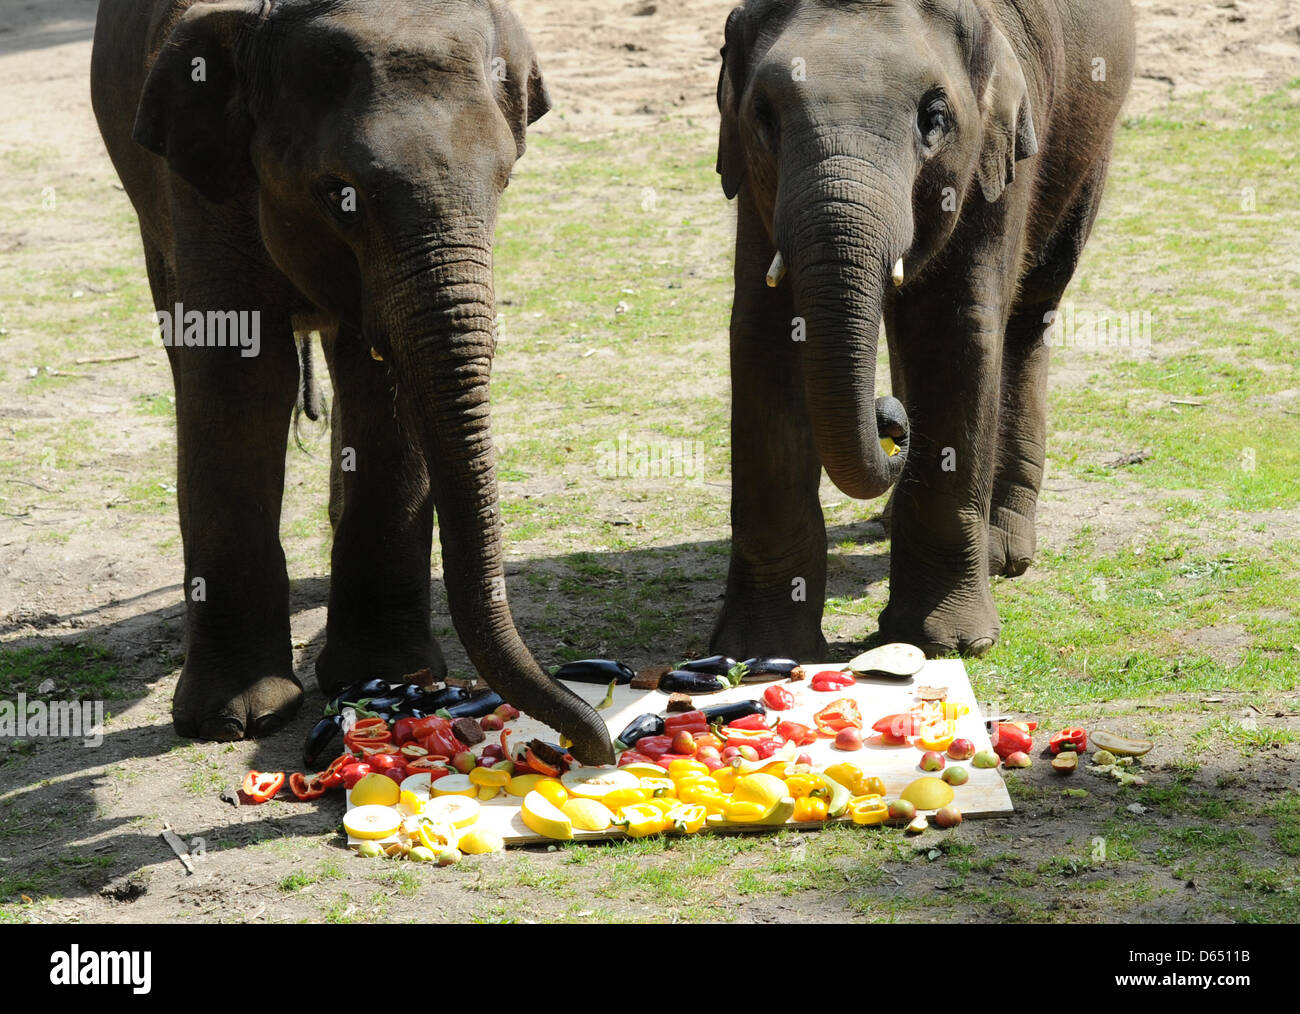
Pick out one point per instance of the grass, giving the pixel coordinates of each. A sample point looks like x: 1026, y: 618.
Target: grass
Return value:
x: 79, y: 670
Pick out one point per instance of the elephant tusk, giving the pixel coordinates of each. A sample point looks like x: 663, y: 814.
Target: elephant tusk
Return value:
x: 776, y: 272
x: 375, y: 355
x: 898, y: 274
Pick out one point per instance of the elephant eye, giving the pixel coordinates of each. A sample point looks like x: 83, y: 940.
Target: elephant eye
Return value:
x: 339, y: 196
x: 765, y: 122
x: 934, y: 121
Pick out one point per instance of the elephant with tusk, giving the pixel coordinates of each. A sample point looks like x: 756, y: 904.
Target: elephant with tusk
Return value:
x: 937, y: 164
x: 332, y: 166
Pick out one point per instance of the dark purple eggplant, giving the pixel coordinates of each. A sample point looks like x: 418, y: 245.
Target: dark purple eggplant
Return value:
x: 683, y: 682
x: 594, y: 670
x: 726, y: 713
x: 321, y: 736
x: 482, y: 703
x: 764, y: 670
x: 367, y: 688
x: 431, y: 700
x: 642, y: 725
x: 717, y: 665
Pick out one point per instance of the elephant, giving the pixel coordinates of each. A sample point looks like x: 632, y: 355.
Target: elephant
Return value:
x: 332, y: 166
x: 936, y: 165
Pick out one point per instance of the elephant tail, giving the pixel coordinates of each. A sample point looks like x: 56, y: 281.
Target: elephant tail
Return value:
x: 310, y: 403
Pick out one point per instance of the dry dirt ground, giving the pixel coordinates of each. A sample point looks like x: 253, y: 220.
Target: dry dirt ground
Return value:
x: 75, y: 560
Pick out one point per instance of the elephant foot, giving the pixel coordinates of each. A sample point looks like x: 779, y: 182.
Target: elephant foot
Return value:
x: 343, y: 662
x: 962, y: 625
x: 745, y: 632
x: 1012, y: 541
x: 217, y: 707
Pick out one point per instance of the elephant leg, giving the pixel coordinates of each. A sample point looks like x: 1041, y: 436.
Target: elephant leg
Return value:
x: 1022, y: 441
x: 939, y: 596
x: 776, y: 583
x: 233, y: 415
x: 379, y: 610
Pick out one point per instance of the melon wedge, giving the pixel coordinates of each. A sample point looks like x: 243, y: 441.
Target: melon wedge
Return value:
x: 454, y: 785
x: 459, y: 811
x: 588, y: 814
x: 543, y: 817
x: 372, y: 821
x: 592, y: 783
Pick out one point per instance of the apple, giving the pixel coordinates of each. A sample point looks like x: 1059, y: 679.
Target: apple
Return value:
x: 955, y: 775
x: 491, y: 723
x: 985, y: 759
x: 684, y: 743
x: 931, y: 760
x: 1019, y: 759
x: 506, y: 712
x: 804, y: 758
x: 948, y: 816
x: 729, y: 753
x: 901, y: 810
x: 748, y: 752
x: 704, y: 754
x: 464, y: 762
x: 961, y: 749
x: 848, y: 739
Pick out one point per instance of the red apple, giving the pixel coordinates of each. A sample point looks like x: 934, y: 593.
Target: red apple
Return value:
x: 932, y: 760
x: 684, y: 743
x: 491, y: 723
x: 961, y: 749
x: 848, y: 739
x: 464, y: 762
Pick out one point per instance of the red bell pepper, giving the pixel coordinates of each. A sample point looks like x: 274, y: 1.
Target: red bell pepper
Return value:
x: 331, y: 776
x: 630, y: 757
x: 829, y: 680
x: 305, y: 787
x: 899, y: 726
x: 840, y: 714
x: 654, y: 747
x: 1008, y: 739
x: 403, y: 731
x: 261, y: 786
x: 778, y: 698
x: 752, y: 723
x: 1069, y: 739
x: 438, y: 738
x: 353, y: 773
x: 367, y: 732
x: 434, y: 767
x: 796, y: 733
x: 664, y: 760
x: 691, y: 721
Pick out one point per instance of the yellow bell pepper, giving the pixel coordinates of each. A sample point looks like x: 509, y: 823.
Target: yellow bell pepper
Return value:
x: 849, y: 775
x: 642, y: 819
x: 937, y: 736
x: 659, y: 786
x: 803, y: 785
x: 809, y: 808
x: 869, y: 810
x: 687, y: 818
x: 620, y: 798
x: 662, y: 803
x: 680, y: 767
x: 710, y: 798
x: 696, y: 781
x: 489, y: 777
x: 872, y: 787
x: 726, y: 778
x: 746, y: 810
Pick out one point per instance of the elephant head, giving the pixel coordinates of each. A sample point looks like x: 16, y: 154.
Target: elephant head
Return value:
x: 371, y: 142
x: 860, y: 132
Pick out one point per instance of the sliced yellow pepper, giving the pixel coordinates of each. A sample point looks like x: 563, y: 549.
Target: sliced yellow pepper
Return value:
x: 620, y: 798
x: 687, y: 818
x: 658, y: 786
x: 937, y: 736
x: 491, y: 777
x: 662, y: 803
x: 869, y: 810
x: 641, y: 819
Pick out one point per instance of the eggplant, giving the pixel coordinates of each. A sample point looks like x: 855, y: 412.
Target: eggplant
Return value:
x: 763, y: 670
x: 357, y: 691
x: 726, y: 713
x: 431, y: 700
x: 389, y: 702
x: 718, y: 665
x: 684, y: 682
x: 594, y: 670
x: 482, y: 703
x: 321, y: 735
x: 642, y: 725
x: 411, y: 691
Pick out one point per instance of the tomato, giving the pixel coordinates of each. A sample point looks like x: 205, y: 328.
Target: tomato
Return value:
x: 354, y: 772
x: 799, y: 735
x: 830, y: 680
x: 778, y: 698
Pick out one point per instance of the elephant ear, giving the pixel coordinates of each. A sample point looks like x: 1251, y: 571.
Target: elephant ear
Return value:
x: 1003, y: 95
x: 521, y: 92
x: 191, y: 111
x: 731, y: 84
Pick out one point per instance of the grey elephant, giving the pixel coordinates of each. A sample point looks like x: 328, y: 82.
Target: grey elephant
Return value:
x: 938, y: 164
x: 307, y: 165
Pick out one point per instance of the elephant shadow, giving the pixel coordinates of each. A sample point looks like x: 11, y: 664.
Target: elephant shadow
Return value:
x: 76, y: 820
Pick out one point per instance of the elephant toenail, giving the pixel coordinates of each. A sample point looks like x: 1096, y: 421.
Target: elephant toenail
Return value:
x: 221, y: 730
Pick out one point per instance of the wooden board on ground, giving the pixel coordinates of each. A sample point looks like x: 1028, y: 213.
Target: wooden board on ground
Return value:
x: 984, y: 795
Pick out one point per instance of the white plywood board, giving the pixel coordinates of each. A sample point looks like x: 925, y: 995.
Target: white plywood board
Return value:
x: 984, y: 794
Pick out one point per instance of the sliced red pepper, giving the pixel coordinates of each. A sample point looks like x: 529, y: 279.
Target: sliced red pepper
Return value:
x: 830, y: 680
x: 331, y: 776
x: 260, y: 786
x: 308, y: 787
x: 373, y: 730
x: 434, y: 767
x: 540, y: 766
x: 839, y: 714
x: 1069, y: 739
x: 766, y: 748
x: 442, y: 742
x: 899, y: 726
x: 367, y: 749
x: 796, y: 733
x: 778, y: 698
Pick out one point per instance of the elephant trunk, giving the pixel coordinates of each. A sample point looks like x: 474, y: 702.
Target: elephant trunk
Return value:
x: 438, y: 316
x: 842, y: 225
